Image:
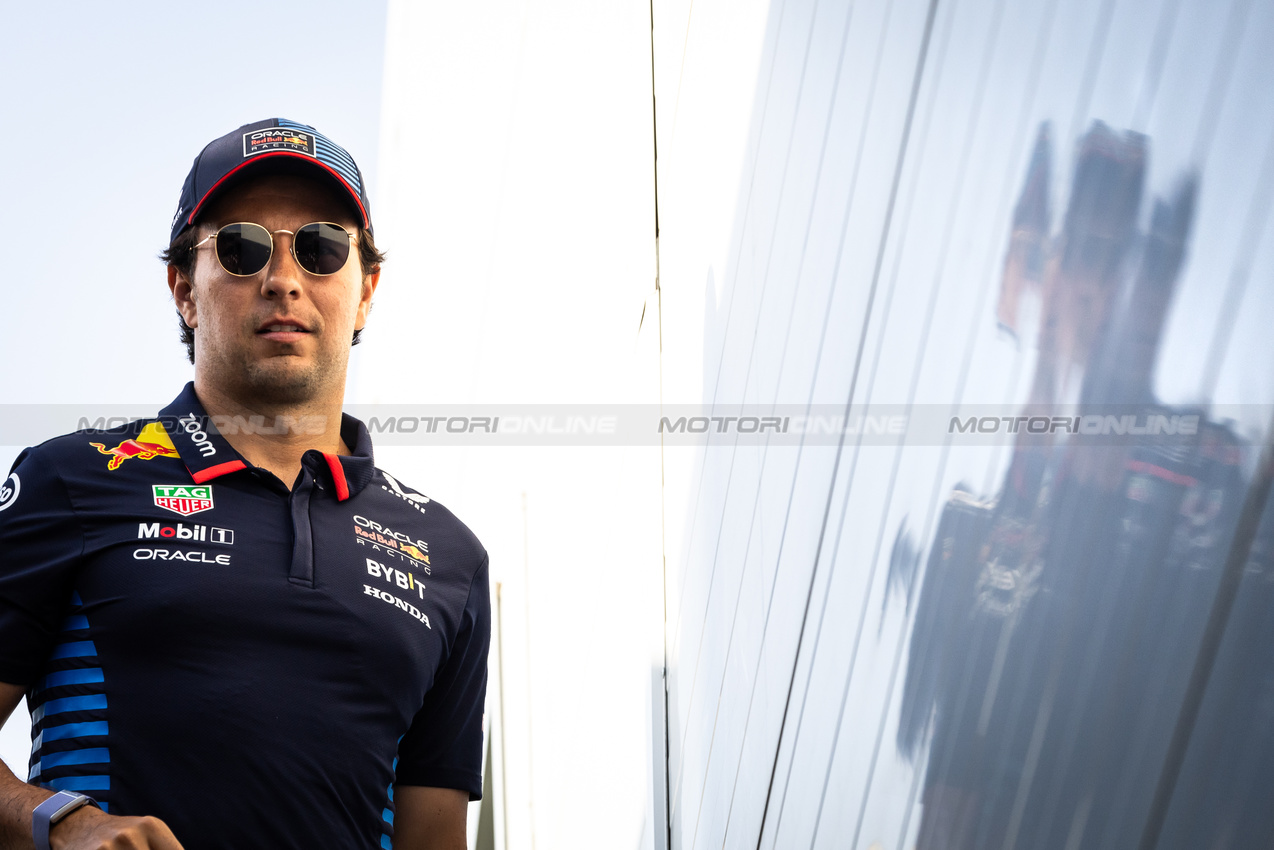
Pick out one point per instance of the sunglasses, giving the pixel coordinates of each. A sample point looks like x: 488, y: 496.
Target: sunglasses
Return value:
x: 244, y: 248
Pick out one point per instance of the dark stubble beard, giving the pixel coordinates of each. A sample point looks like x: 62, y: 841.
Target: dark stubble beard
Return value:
x: 263, y: 384
x: 272, y: 382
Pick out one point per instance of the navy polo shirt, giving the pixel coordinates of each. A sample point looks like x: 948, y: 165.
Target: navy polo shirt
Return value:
x: 257, y: 666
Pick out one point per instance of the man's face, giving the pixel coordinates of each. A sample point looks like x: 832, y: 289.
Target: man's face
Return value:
x: 282, y: 335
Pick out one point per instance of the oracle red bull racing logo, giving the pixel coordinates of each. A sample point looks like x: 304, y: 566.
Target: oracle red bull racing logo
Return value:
x: 152, y: 442
x: 384, y: 539
x: 278, y: 139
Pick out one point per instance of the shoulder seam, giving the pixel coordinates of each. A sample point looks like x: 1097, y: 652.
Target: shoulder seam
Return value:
x: 143, y: 421
x: 485, y: 562
x: 57, y: 473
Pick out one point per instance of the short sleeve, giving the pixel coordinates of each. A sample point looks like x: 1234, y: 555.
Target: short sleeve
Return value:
x: 41, y: 543
x: 443, y: 747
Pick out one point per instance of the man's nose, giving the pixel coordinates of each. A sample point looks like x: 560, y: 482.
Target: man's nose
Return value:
x: 283, y: 277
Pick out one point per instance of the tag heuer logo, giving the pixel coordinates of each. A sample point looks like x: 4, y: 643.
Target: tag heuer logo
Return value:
x: 185, y: 500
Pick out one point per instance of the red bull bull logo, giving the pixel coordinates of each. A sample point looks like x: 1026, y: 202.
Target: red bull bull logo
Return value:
x: 152, y: 442
x: 413, y: 552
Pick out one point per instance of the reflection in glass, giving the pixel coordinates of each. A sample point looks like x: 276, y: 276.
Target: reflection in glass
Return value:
x: 1060, y: 616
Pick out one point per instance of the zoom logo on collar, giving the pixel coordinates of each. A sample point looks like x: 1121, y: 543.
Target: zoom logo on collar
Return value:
x: 195, y: 431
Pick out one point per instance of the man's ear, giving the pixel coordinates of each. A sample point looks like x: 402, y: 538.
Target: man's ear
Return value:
x: 370, y: 282
x: 183, y: 296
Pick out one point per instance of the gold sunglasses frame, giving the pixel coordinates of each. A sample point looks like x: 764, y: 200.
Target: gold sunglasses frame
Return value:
x: 212, y: 237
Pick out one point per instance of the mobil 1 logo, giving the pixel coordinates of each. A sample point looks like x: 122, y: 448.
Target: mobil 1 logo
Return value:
x: 181, y: 531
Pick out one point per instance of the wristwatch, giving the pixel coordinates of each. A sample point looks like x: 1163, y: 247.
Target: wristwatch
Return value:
x: 51, y: 811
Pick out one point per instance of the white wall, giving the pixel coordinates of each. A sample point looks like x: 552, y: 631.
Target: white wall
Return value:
x: 516, y: 203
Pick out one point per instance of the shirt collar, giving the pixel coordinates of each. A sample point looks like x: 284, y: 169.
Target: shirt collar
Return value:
x: 352, y: 472
x: 207, y: 454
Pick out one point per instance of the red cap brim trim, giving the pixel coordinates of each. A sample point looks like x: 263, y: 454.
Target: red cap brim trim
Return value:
x: 367, y: 223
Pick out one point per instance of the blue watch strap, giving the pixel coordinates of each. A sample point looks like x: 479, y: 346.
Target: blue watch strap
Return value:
x: 50, y: 812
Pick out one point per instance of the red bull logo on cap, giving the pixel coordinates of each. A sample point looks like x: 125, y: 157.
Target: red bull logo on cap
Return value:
x: 152, y: 442
x: 278, y: 139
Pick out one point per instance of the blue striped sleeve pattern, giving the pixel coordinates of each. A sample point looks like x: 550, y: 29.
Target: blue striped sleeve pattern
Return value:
x: 387, y: 815
x: 69, y: 724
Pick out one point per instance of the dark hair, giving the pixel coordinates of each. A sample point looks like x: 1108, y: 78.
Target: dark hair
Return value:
x: 181, y: 256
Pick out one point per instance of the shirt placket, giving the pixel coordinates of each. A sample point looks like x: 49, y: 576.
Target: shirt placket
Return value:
x: 301, y: 571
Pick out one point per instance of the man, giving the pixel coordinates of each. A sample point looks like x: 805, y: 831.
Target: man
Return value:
x: 232, y: 630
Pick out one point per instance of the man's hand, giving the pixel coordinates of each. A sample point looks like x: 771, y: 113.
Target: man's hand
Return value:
x: 89, y: 828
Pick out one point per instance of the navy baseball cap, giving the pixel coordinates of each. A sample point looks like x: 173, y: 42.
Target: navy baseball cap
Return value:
x: 271, y: 146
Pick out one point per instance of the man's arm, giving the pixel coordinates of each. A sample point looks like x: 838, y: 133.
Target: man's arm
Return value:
x: 430, y: 818
x: 86, y: 828
x: 40, y: 543
x: 440, y: 756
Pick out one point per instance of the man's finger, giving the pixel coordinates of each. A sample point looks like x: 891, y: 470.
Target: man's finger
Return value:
x: 159, y: 836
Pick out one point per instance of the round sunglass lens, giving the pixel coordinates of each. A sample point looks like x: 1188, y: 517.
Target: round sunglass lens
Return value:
x: 322, y: 248
x: 243, y: 249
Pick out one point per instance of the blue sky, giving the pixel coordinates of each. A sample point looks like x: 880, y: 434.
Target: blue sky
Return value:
x: 104, y: 111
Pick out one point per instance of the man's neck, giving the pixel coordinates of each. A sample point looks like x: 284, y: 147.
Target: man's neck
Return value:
x: 276, y: 436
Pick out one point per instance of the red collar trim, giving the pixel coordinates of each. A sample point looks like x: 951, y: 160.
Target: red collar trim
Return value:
x: 217, y: 471
x: 338, y: 476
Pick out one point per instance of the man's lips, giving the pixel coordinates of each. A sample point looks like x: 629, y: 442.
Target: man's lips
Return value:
x: 282, y: 330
